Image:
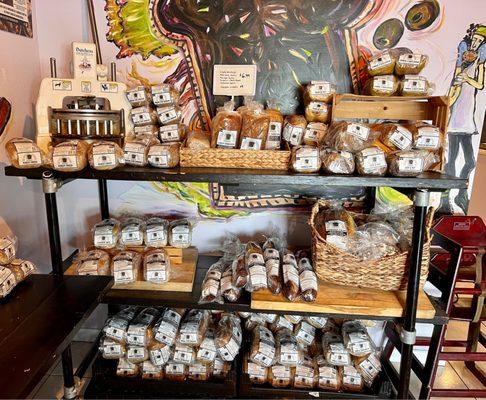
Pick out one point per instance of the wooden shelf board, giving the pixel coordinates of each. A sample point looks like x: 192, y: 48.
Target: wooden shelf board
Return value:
x: 335, y: 299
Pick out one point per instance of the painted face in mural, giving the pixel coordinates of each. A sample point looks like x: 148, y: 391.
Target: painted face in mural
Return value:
x: 477, y: 40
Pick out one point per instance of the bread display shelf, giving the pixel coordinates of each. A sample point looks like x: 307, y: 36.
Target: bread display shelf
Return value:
x: 335, y: 299
x: 181, y: 278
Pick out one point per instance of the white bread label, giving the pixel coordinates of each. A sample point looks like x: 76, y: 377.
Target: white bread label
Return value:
x: 64, y: 156
x: 161, y: 98
x: 180, y: 235
x: 229, y: 351
x: 137, y: 95
x: 412, y: 83
x: 227, y: 138
x: 319, y: 88
x: 360, y: 131
x: 293, y: 134
x: 28, y: 154
x: 327, y: 376
x: 131, y: 234
x: 166, y: 333
x: 401, y: 137
x: 351, y: 376
x: 174, y: 368
x: 385, y: 82
x: 251, y: 144
x: 336, y: 233
x: 141, y: 116
x: 104, y: 155
x: 428, y: 137
x: 290, y: 274
x: 256, y: 371
x: 7, y: 281
x: 123, y: 271
x: 307, y: 159
x: 158, y: 156
x: 134, y: 153
x: 373, y: 159
x: 281, y: 372
x: 380, y: 61
x: 167, y: 115
x: 308, y: 280
x: 136, y: 353
x: 169, y: 133
x: 258, y: 275
x: 183, y: 354
x: 155, y: 234
x: 410, y: 59
x: 410, y: 164
x: 274, y: 136
x: 306, y: 333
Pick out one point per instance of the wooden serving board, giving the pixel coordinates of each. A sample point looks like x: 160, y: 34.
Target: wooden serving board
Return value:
x: 335, y: 299
x: 174, y: 253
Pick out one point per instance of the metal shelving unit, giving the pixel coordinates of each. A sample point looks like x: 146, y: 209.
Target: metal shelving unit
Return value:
x: 52, y: 181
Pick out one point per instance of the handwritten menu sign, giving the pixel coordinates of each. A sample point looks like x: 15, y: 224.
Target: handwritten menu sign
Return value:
x: 234, y: 80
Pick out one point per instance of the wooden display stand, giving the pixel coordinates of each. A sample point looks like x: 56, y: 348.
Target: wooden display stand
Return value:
x: 175, y: 253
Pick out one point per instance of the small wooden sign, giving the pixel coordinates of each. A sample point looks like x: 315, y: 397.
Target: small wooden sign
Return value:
x: 234, y: 80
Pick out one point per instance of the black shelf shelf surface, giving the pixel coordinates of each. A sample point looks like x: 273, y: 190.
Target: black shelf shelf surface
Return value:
x: 152, y: 298
x: 38, y: 320
x: 429, y: 180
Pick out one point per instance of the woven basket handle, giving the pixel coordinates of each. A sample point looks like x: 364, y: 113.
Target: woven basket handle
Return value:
x: 315, y: 210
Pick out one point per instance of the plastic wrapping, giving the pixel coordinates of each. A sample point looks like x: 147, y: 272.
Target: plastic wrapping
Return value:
x: 180, y: 234
x: 164, y: 95
x: 240, y: 272
x: 352, y: 380
x: 410, y: 163
x: 112, y: 350
x: 175, y: 371
x: 135, y: 152
x: 144, y: 115
x: 160, y: 353
x: 415, y: 85
x: 199, y: 372
x: 425, y: 136
x: 116, y: 329
x: 151, y: 371
x: 230, y: 292
x: 253, y: 254
x: 226, y: 127
x: 25, y: 154
x: 105, y: 156
x: 369, y: 368
x: 221, y: 368
x: 356, y: 339
x: 274, y: 137
x: 288, y: 351
x: 305, y: 333
x: 274, y: 279
x: 328, y: 376
x: 374, y: 240
x: 319, y: 91
x: 255, y: 264
x: 280, y: 323
x: 168, y: 115
x: 146, y: 130
x: 138, y: 96
x: 305, y: 374
x: 258, y: 375
x: 307, y: 280
x: 268, y: 318
x: 350, y: 136
x: 317, y: 111
x: 294, y: 127
x: 293, y: 319
x: 317, y: 322
x: 254, y: 128
x: 70, y: 156
x: 335, y: 350
x: 173, y: 133
x: 156, y: 266
x: 93, y: 262
x: 371, y: 161
x: 126, y: 368
x: 211, y: 290
x: 291, y: 285
x: 228, y: 337
x: 253, y: 321
x: 137, y: 354
x: 106, y: 233
x: 193, y: 328
x: 132, y: 232
x: 383, y: 85
x: 140, y: 330
x: 8, y: 249
x: 337, y: 162
x: 335, y: 225
x: 410, y: 64
x: 156, y: 232
x: 184, y: 354
x: 382, y: 64
x: 305, y: 159
x: 163, y: 155
x: 166, y: 328
x: 21, y: 268
x: 281, y: 376
x: 314, y: 134
x: 262, y: 351
x: 198, y: 140
x: 7, y: 281
x: 125, y: 267
x: 207, y: 352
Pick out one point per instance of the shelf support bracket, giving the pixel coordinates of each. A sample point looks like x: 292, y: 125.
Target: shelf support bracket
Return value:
x: 50, y: 184
x: 408, y: 337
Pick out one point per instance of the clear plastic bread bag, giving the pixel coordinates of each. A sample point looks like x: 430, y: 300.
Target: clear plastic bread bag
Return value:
x: 106, y: 233
x: 319, y: 91
x: 167, y: 327
x: 356, y: 339
x: 328, y: 376
x: 352, y: 380
x: 305, y: 374
x: 160, y: 353
x: 116, y: 329
x: 305, y: 159
x: 156, y: 232
x: 281, y: 376
x: 126, y: 368
x: 211, y: 289
x: 198, y: 140
x: 291, y: 284
x: 257, y: 274
x: 144, y: 115
x: 337, y: 162
x: 371, y: 161
x: 25, y: 154
x: 164, y: 155
x: 21, y: 268
x: 307, y: 280
x: 193, y: 328
x: 314, y: 134
x: 145, y: 131
x: 280, y: 323
x: 425, y: 136
x: 395, y: 136
x: 230, y: 292
x: 92, y: 262
x: 254, y: 127
x: 316, y: 322
x: 411, y: 163
x: 369, y: 367
x: 140, y: 332
x: 293, y: 130
x: 382, y: 64
x: 335, y: 225
x: 8, y: 249
x: 253, y: 254
x: 293, y: 319
x: 199, y: 372
x: 168, y: 115
x: 268, y: 317
x: 383, y: 240
x: 137, y: 354
x: 112, y: 350
x: 132, y: 232
x: 276, y: 120
x: 258, y: 375
x: 253, y: 321
x: 383, y: 85
x: 335, y: 350
x: 7, y: 281
x: 156, y: 266
x: 207, y: 352
x: 164, y: 95
x: 318, y: 111
x: 173, y: 133
x: 180, y: 234
x: 136, y: 150
x: 305, y: 333
x: 125, y: 267
x: 221, y: 368
x: 228, y: 337
x: 288, y: 351
x: 70, y: 156
x: 410, y: 64
x: 139, y: 96
x: 175, y: 371
x: 240, y: 272
x: 416, y: 85
x: 104, y: 155
x: 226, y: 127
x: 263, y: 347
x: 350, y: 136
x: 152, y: 371
x: 184, y: 354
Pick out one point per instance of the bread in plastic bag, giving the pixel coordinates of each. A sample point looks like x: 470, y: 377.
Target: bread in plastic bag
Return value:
x: 335, y: 350
x: 307, y: 280
x: 184, y: 354
x: 22, y: 268
x: 352, y: 380
x: 395, y: 136
x: 328, y: 376
x: 167, y: 327
x: 350, y: 136
x: 112, y: 350
x: 159, y: 353
x: 337, y: 162
x: 240, y: 272
x: 319, y: 91
x: 221, y: 368
x: 356, y: 338
x: 164, y: 95
x: 125, y: 267
x: 25, y: 154
x: 410, y: 63
x: 132, y: 232
x: 156, y: 266
x: 226, y: 127
x: 374, y: 240
x: 164, y: 155
x: 254, y: 127
x: 382, y: 64
x: 92, y: 262
x: 8, y: 249
x: 198, y: 140
x: 70, y: 156
x: 291, y: 285
x: 136, y: 150
x: 317, y: 111
x: 371, y: 161
x: 116, y: 329
x: 140, y: 330
x: 138, y: 96
x: 230, y: 292
x: 316, y: 322
x: 288, y: 351
x: 180, y: 234
x: 314, y: 134
x: 425, y: 136
x: 305, y: 333
x: 253, y: 321
x: 106, y: 233
x: 383, y: 85
x: 228, y: 337
x: 151, y: 371
x: 416, y: 85
x: 173, y: 133
x: 211, y: 290
x: 305, y: 159
x: 280, y: 323
x: 199, y: 372
x: 293, y: 319
x: 335, y: 225
x: 104, y: 155
x: 411, y: 163
x: 253, y: 254
x: 126, y: 368
x: 193, y: 328
x: 369, y: 367
x: 274, y: 277
x: 207, y: 352
x: 7, y: 281
x: 305, y: 374
x: 281, y: 376
x: 168, y: 115
x: 175, y: 371
x: 276, y: 120
x: 137, y: 354
x: 294, y: 127
x: 145, y: 130
x: 156, y: 232
x: 144, y: 115
x: 262, y: 350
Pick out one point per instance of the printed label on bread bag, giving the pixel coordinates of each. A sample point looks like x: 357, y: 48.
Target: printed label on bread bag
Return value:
x: 134, y: 153
x: 307, y: 159
x: 327, y: 376
x: 319, y: 88
x: 229, y: 351
x: 306, y: 333
x: 227, y: 138
x: 7, y: 247
x: 141, y: 116
x: 173, y: 368
x: 384, y: 83
x: 169, y: 133
x: 157, y: 156
x: 103, y: 236
x: 131, y: 234
x: 412, y: 83
x: 373, y: 159
x: 137, y: 96
x: 167, y: 115
x: 290, y: 274
x: 123, y: 271
x: 428, y: 137
x: 172, y: 316
x: 274, y: 135
x: 360, y: 131
x: 251, y: 144
x: 381, y: 61
x: 136, y: 353
x: 180, y: 235
x: 64, y: 156
x: 157, y: 275
x: 308, y: 280
x: 410, y: 60
x: 351, y: 376
x: 166, y: 333
x: 112, y: 349
x: 271, y: 254
x: 281, y: 372
x: 293, y: 134
x: 188, y: 333
x: 28, y: 154
x: 162, y: 98
x: 104, y: 155
x: 258, y: 276
x: 336, y: 233
x: 183, y: 354
x: 410, y: 164
x: 401, y: 138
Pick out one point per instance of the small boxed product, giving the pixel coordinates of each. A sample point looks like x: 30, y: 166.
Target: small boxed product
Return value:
x: 70, y: 156
x: 164, y: 155
x: 106, y: 233
x: 105, y: 156
x: 156, y: 266
x: 125, y: 267
x: 180, y: 233
x: 226, y: 127
x: 25, y: 154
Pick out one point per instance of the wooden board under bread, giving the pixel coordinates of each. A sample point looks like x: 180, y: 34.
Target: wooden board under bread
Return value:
x: 181, y: 275
x: 174, y: 253
x: 335, y: 299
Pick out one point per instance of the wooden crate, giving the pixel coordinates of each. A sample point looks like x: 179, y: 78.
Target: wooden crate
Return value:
x: 433, y: 109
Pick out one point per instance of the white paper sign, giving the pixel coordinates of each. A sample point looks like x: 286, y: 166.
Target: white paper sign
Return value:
x: 234, y: 80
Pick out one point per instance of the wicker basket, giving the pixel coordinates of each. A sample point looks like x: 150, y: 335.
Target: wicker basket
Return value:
x: 235, y: 158
x: 388, y: 273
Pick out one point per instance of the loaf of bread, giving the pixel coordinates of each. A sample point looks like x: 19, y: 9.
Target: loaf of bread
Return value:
x: 350, y: 136
x: 25, y: 154
x: 382, y: 64
x: 21, y: 268
x: 164, y: 95
x: 211, y: 291
x: 317, y: 111
x: 352, y: 380
x: 328, y: 376
x: 70, y: 156
x: 253, y: 321
x: 415, y: 85
x: 135, y: 152
x: 184, y: 354
x: 126, y: 368
x: 425, y: 136
x: 198, y: 140
x: 156, y: 232
x: 159, y: 353
x: 314, y: 134
x: 146, y: 130
x: 335, y: 225
x: 164, y: 155
x: 369, y: 368
x: 166, y: 328
x: 240, y: 272
x: 305, y: 333
x: 307, y: 280
x: 410, y: 64
x: 106, y: 233
x: 280, y: 323
x: 258, y: 375
x: 274, y: 137
x: 293, y: 130
x: 180, y: 234
x: 104, y: 155
x: 410, y: 163
x: 169, y: 115
x: 144, y: 115
x: 335, y: 350
x: 274, y: 278
x: 254, y: 128
x: 305, y: 374
x: 199, y: 372
x: 395, y: 136
x: 193, y: 328
x: 156, y: 266
x: 221, y: 368
x: 383, y: 85
x: 137, y: 354
x: 139, y: 96
x: 281, y: 376
x: 8, y: 249
x: 319, y: 91
x: 175, y: 371
x: 93, y: 262
x: 125, y: 267
x: 140, y: 332
x: 112, y: 350
x: 288, y: 351
x: 356, y: 339
x: 207, y: 352
x: 151, y: 371
x: 230, y: 292
x: 305, y: 159
x: 226, y: 127
x: 371, y: 161
x: 116, y: 329
x: 173, y: 133
x: 132, y: 232
x: 253, y: 254
x: 337, y: 162
x: 291, y: 285
x: 228, y: 337
x: 263, y: 348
